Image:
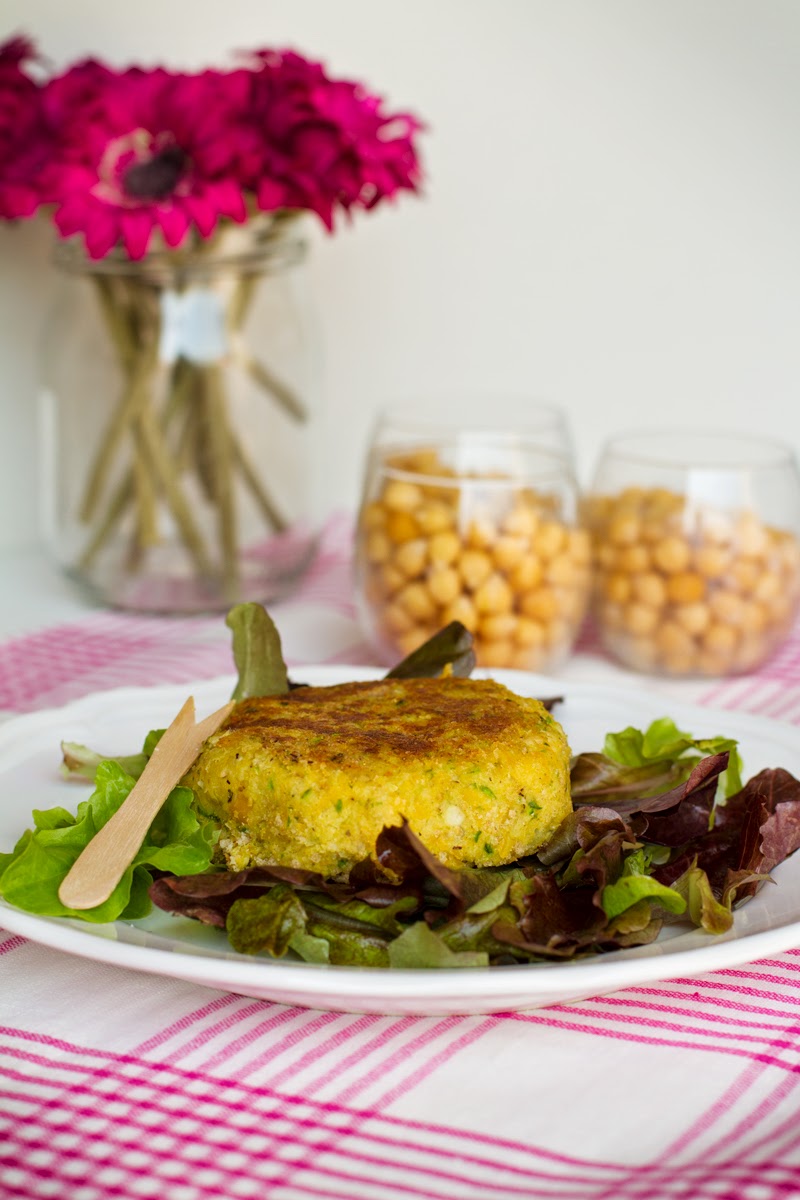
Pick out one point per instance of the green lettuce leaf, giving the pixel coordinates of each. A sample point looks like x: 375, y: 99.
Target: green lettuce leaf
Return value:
x: 177, y: 841
x: 81, y: 762
x: 418, y: 946
x: 663, y: 743
x: 256, y: 652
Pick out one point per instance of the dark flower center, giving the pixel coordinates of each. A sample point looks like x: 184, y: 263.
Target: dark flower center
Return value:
x: 156, y: 177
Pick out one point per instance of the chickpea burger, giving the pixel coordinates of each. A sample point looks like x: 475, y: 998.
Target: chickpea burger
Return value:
x: 309, y: 778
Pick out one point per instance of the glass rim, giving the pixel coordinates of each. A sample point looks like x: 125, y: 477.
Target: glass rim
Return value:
x: 557, y: 468
x: 171, y: 266
x: 646, y: 447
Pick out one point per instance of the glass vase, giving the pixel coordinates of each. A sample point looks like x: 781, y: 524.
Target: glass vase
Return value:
x: 178, y: 424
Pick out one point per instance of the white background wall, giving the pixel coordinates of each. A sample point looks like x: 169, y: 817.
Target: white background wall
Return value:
x: 610, y: 222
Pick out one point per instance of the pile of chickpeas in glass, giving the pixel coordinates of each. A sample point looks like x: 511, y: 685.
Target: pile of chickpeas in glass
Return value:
x: 434, y: 546
x: 684, y: 589
x: 675, y: 588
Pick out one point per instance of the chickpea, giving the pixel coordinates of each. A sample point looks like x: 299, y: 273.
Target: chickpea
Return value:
x: 401, y: 496
x: 727, y: 606
x: 401, y: 526
x: 392, y: 578
x: 745, y: 573
x: 720, y: 639
x: 549, y: 539
x: 624, y: 529
x: 712, y: 561
x: 527, y: 575
x: 416, y: 600
x: 481, y: 533
x: 444, y: 584
x: 672, y: 554
x: 529, y: 633
x: 410, y: 558
x: 634, y: 558
x: 498, y: 627
x: 662, y: 505
x: 673, y: 641
x: 494, y: 596
x: 580, y: 546
x: 685, y: 587
x: 494, y: 653
x: 434, y: 517
x: 541, y: 604
x: 522, y: 521
x: 561, y: 570
x: 444, y: 548
x: 462, y: 609
x: 606, y: 555
x: 640, y: 618
x: 373, y: 515
x: 396, y: 619
x: 650, y: 588
x: 475, y: 568
x: 695, y: 618
x: 617, y: 588
x: 378, y: 548
x: 508, y: 552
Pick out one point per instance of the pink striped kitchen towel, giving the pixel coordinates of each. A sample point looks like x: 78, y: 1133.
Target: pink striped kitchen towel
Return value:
x: 115, y: 1084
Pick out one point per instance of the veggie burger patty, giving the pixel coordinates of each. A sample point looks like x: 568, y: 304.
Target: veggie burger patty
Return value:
x: 308, y: 779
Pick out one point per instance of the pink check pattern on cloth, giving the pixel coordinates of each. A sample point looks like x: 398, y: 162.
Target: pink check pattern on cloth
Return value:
x: 115, y: 1084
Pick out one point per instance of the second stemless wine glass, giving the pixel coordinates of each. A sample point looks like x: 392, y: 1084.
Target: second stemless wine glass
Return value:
x: 697, y: 559
x: 477, y: 524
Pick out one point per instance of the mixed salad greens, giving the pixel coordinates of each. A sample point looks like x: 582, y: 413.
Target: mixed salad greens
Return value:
x: 663, y: 831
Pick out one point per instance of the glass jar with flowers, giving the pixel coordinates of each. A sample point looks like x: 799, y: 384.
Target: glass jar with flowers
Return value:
x: 179, y: 379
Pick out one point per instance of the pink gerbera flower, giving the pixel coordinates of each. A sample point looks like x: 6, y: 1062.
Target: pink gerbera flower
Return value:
x: 140, y: 152
x: 311, y: 142
x: 23, y: 143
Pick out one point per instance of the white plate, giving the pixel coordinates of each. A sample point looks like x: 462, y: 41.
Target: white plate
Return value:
x: 116, y: 722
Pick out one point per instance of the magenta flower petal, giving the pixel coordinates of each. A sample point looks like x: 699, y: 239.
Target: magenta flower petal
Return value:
x: 175, y: 224
x: 137, y: 229
x: 102, y: 234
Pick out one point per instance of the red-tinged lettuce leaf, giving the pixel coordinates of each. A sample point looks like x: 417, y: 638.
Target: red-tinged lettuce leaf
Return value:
x: 684, y: 812
x: 597, y: 779
x: 554, y: 918
x: 780, y: 833
x: 752, y: 832
x: 209, y: 897
x: 401, y: 860
x: 581, y: 830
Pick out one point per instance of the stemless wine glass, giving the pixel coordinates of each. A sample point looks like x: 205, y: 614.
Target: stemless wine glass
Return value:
x: 474, y: 522
x: 696, y: 552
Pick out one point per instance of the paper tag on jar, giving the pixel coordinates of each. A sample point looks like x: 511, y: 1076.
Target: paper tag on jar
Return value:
x: 192, y: 326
